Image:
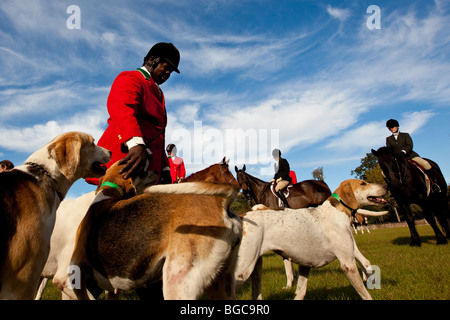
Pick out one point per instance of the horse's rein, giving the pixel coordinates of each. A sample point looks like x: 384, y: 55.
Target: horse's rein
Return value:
x: 399, y: 172
x: 230, y: 181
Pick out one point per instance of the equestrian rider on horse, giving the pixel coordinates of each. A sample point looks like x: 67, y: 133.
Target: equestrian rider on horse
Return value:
x: 402, y: 144
x: 281, y: 177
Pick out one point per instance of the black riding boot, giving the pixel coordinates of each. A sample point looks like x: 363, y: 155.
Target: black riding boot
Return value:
x: 282, y: 197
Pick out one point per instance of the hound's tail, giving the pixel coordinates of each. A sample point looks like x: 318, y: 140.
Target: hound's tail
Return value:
x: 371, y: 213
x: 201, y: 188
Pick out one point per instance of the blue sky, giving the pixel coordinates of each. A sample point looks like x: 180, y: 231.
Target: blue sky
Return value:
x: 308, y: 77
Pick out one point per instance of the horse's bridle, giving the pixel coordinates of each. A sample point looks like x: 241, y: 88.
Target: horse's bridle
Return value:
x: 246, y: 192
x: 399, y: 174
x: 230, y: 181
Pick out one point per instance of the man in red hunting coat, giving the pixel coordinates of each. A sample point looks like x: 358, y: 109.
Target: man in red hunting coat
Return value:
x: 138, y: 117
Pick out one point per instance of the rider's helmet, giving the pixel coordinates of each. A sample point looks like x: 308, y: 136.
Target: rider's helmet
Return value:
x: 392, y: 123
x: 166, y: 51
x: 170, y: 147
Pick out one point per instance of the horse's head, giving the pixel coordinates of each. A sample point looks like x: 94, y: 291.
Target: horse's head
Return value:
x: 389, y: 164
x: 218, y: 172
x: 242, y: 179
x: 223, y: 173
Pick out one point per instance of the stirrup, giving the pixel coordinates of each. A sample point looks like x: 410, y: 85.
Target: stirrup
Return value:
x: 435, y: 188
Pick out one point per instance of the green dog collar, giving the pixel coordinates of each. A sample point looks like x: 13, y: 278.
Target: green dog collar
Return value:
x: 336, y: 196
x: 114, y: 186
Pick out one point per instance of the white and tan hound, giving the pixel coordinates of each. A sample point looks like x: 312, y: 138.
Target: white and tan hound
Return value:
x: 311, y: 237
x: 184, y: 234
x: 30, y: 195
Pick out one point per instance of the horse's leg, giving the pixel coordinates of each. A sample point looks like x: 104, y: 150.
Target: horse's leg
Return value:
x: 440, y: 209
x: 415, y: 239
x: 428, y: 211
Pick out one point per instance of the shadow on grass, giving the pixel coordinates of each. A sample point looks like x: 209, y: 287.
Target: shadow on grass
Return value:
x: 405, y: 241
x: 340, y: 293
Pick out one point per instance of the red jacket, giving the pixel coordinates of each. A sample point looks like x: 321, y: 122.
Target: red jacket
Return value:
x: 293, y: 177
x: 177, y: 169
x: 136, y: 109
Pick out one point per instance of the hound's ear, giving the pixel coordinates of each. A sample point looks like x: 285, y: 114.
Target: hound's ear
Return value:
x: 345, y: 192
x: 100, y: 182
x: 66, y: 152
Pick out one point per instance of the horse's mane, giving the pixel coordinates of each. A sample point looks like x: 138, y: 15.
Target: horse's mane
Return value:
x: 255, y: 178
x: 385, y: 150
x: 265, y: 184
x: 201, y: 173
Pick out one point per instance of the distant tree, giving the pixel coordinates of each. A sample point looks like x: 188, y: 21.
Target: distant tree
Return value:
x: 240, y: 205
x: 318, y: 174
x: 369, y: 162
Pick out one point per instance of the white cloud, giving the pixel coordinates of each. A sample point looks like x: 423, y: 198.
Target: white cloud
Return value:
x: 340, y: 14
x: 53, y: 109
x: 414, y: 121
x: 373, y: 134
x: 29, y: 139
x: 365, y: 137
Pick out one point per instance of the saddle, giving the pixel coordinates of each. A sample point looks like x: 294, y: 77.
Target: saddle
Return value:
x: 422, y: 169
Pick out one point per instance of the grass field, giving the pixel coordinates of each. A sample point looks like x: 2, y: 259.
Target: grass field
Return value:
x: 407, y: 273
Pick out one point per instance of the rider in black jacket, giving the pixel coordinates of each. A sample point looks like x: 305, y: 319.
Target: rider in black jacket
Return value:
x: 281, y: 177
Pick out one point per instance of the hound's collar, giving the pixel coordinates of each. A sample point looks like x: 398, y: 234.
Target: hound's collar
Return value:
x: 114, y: 186
x: 352, y: 211
x: 44, y: 171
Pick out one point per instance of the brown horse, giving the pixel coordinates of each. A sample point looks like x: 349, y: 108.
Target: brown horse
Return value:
x: 218, y: 172
x: 301, y: 195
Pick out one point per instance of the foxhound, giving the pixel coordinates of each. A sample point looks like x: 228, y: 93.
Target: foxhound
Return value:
x: 68, y: 217
x: 30, y: 195
x: 311, y: 237
x: 184, y: 234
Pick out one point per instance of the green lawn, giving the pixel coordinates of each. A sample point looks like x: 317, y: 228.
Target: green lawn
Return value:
x: 407, y: 273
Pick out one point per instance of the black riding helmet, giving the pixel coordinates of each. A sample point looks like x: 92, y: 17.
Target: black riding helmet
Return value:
x: 392, y: 123
x: 170, y: 147
x: 166, y: 51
